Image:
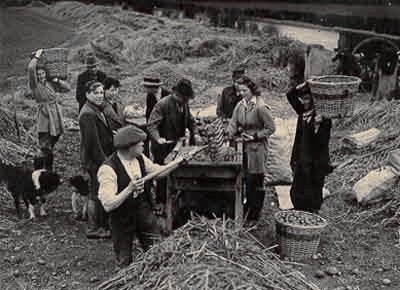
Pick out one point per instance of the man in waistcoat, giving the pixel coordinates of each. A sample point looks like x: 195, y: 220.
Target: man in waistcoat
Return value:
x: 124, y: 195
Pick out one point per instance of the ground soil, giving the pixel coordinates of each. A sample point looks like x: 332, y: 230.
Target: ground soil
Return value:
x: 53, y: 253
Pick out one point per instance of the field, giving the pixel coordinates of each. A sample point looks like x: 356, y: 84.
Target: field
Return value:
x: 53, y: 252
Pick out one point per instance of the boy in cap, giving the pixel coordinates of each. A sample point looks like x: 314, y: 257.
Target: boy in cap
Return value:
x: 167, y: 124
x: 124, y: 195
x: 229, y: 98
x: 91, y: 74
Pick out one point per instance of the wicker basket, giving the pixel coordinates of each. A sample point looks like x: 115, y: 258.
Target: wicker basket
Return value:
x: 333, y: 94
x: 297, y: 242
x: 55, y: 61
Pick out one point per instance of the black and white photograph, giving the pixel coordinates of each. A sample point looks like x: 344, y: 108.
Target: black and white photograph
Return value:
x: 200, y: 145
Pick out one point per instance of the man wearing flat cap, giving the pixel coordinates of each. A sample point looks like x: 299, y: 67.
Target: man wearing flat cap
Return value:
x: 229, y: 98
x: 154, y: 92
x: 167, y: 124
x: 125, y: 196
x: 91, y: 74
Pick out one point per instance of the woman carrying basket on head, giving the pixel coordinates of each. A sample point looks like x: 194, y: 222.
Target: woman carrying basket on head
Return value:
x: 310, y: 155
x: 49, y: 117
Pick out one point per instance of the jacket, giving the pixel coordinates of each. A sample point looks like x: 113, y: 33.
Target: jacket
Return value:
x: 151, y: 101
x: 96, y: 137
x: 311, y: 149
x: 169, y: 119
x: 254, y: 119
x: 49, y: 115
x: 227, y: 102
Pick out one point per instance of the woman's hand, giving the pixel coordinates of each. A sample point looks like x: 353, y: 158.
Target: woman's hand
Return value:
x: 247, y: 137
x: 55, y: 80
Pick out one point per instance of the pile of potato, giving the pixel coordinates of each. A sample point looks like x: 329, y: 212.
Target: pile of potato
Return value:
x: 299, y: 218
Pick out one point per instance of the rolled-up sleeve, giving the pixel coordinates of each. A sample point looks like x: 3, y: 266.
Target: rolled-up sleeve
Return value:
x: 151, y: 166
x: 108, y: 187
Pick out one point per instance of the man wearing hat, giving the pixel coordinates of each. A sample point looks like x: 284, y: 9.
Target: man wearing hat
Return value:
x: 227, y: 101
x: 124, y: 195
x: 91, y: 74
x: 154, y: 92
x: 167, y: 124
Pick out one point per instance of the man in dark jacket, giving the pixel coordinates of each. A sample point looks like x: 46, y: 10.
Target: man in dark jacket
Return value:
x: 96, y: 146
x: 154, y: 92
x: 168, y: 123
x: 229, y: 98
x: 310, y: 155
x: 91, y: 74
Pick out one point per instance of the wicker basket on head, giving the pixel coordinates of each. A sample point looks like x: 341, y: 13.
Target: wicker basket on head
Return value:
x: 55, y: 60
x: 334, y: 94
x: 298, y: 241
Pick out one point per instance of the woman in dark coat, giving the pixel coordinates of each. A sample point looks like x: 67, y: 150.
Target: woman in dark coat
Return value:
x: 310, y: 155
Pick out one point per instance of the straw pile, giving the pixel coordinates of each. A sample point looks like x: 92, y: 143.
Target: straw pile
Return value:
x: 208, y: 254
x: 382, y: 116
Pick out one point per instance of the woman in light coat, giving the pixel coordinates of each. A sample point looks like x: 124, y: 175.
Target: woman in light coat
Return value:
x: 49, y: 117
x: 252, y: 121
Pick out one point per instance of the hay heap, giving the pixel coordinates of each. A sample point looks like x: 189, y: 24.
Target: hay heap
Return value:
x: 383, y: 116
x: 208, y: 254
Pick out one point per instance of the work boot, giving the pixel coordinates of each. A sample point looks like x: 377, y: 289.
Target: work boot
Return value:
x: 93, y: 230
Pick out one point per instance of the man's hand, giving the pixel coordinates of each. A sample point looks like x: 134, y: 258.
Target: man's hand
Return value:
x: 161, y: 140
x: 137, y: 187
x: 158, y: 209
x: 38, y: 53
x: 301, y: 86
x: 318, y: 118
x: 55, y: 80
x: 198, y: 140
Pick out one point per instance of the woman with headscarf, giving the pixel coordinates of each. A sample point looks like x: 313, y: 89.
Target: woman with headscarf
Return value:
x: 310, y: 155
x: 50, y: 124
x: 252, y: 121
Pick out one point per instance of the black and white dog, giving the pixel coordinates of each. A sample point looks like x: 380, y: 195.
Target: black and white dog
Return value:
x: 29, y: 185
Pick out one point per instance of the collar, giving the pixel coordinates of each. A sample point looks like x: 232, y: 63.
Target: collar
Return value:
x: 249, y: 103
x: 124, y: 159
x: 177, y: 99
x: 94, y: 107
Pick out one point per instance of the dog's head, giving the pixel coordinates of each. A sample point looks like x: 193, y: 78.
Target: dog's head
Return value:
x: 48, y: 181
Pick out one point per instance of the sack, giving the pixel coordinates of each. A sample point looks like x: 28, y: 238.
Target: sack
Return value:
x: 277, y: 167
x: 373, y: 187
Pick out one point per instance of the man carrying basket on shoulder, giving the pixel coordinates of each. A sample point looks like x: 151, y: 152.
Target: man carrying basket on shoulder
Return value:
x: 310, y: 154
